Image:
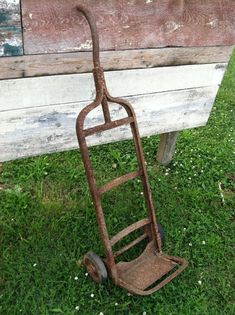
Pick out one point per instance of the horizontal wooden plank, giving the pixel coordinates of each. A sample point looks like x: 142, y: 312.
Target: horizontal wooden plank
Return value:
x: 55, y: 26
x: 10, y: 28
x: 34, y: 131
x: 80, y: 62
x: 44, y: 91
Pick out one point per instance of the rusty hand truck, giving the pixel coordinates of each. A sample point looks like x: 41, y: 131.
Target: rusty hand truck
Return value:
x: 140, y: 275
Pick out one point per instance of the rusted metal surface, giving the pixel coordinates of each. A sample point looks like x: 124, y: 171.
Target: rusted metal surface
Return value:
x: 130, y: 245
x: 118, y: 181
x: 136, y: 276
x: 51, y: 26
x: 131, y: 228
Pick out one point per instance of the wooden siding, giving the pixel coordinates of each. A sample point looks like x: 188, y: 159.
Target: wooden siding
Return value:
x: 55, y: 26
x: 10, y: 28
x: 38, y: 115
x: 80, y: 62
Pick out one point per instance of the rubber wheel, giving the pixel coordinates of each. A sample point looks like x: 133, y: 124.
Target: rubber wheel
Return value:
x: 161, y: 231
x: 95, y: 267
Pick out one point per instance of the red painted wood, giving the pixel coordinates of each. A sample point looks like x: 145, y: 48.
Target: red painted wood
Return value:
x: 55, y: 26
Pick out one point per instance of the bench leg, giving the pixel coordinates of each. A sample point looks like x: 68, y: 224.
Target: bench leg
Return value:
x: 166, y: 147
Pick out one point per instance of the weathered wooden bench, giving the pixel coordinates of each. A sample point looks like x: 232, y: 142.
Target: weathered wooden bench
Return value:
x: 167, y: 58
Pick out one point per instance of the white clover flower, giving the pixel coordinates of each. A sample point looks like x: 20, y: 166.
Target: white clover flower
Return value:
x: 199, y: 282
x: 34, y: 265
x: 189, y: 178
x: 92, y: 295
x: 166, y: 174
x: 116, y: 304
x: 141, y: 193
x: 76, y: 278
x: 144, y: 313
x: 184, y: 229
x: 114, y: 165
x: 203, y: 242
x: 190, y: 244
x: 86, y: 274
x: 101, y: 313
x: 77, y: 308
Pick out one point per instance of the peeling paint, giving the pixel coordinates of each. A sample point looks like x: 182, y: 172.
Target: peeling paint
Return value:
x: 9, y: 2
x: 10, y: 28
x: 11, y: 47
x: 4, y: 16
x: 86, y: 45
x: 12, y: 41
x: 213, y: 23
x: 172, y: 26
x: 148, y: 1
x: 10, y: 50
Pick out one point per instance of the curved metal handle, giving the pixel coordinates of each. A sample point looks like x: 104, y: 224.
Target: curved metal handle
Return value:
x: 94, y: 33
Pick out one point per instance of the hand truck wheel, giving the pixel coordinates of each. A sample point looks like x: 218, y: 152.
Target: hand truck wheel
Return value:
x: 95, y: 267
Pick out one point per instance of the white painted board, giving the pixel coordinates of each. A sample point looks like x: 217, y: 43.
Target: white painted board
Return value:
x: 52, y: 90
x: 38, y: 130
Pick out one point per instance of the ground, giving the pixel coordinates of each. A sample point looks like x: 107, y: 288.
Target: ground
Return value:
x: 47, y: 223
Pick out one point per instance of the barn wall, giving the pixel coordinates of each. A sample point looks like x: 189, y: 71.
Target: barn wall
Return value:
x: 171, y: 88
x: 56, y: 26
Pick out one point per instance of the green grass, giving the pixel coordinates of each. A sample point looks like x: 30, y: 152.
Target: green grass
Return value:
x: 47, y: 224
